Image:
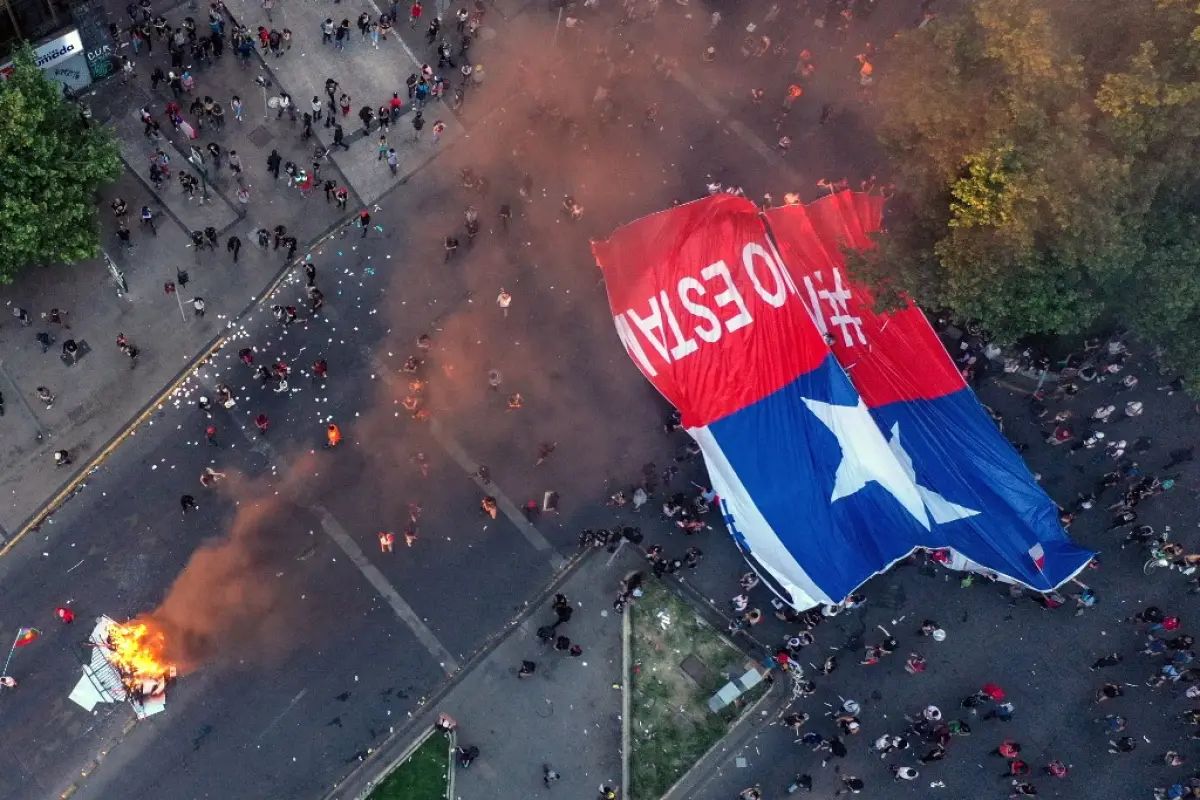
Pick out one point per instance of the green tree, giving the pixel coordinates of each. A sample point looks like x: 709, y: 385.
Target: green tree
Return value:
x: 51, y: 165
x: 1045, y: 151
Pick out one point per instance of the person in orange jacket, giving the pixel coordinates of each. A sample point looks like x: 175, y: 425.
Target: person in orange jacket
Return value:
x: 333, y: 436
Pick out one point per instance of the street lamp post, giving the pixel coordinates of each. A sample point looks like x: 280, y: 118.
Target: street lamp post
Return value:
x: 263, y: 83
x: 197, y: 161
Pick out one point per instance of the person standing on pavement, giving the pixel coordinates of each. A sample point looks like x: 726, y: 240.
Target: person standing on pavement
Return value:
x: 235, y: 165
x: 267, y: 5
x: 364, y: 221
x: 339, y: 137
x: 393, y: 161
x: 414, y: 14
x: 123, y: 235
x: 148, y: 219
x: 418, y: 122
x: 214, y: 152
x: 45, y: 396
x: 198, y: 306
x: 234, y: 246
x: 236, y: 105
x: 285, y: 104
x: 273, y: 163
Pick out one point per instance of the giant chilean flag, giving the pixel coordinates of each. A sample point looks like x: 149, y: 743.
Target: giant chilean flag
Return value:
x: 838, y: 440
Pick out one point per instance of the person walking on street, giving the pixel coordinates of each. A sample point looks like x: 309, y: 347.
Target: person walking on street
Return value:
x: 198, y: 306
x: 234, y: 246
x: 393, y: 161
x: 274, y: 161
x: 418, y: 122
x: 364, y: 221
x: 148, y: 219
x: 45, y: 396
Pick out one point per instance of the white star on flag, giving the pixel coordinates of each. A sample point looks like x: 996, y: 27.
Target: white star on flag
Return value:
x: 941, y: 509
x: 865, y: 457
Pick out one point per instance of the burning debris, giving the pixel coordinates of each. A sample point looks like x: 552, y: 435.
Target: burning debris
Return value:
x: 127, y: 664
x: 136, y: 650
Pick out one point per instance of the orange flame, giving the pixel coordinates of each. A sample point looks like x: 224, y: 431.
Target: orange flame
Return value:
x: 137, y: 650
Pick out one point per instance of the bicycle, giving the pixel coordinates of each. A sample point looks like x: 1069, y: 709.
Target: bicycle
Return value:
x: 1162, y: 560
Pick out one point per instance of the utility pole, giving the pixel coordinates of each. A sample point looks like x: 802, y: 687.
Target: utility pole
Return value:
x: 169, y: 288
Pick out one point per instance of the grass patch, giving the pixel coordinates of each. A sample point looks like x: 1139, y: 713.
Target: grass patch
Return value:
x: 671, y: 726
x: 424, y: 775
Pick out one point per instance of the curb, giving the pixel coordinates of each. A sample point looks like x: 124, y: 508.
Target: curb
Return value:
x: 429, y: 704
x: 68, y: 490
x: 626, y: 704
x: 208, y: 351
x: 406, y: 753
x: 692, y: 774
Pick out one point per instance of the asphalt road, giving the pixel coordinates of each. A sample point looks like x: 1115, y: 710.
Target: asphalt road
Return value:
x: 311, y: 644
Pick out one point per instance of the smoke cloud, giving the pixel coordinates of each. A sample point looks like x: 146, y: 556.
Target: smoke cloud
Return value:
x: 226, y: 601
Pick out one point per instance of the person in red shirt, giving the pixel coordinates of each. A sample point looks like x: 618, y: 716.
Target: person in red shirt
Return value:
x: 65, y: 614
x: 262, y: 423
x: 414, y: 13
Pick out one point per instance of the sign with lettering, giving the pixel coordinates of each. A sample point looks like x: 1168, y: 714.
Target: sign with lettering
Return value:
x: 53, y: 52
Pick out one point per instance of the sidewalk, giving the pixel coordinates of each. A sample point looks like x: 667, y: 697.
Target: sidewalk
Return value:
x: 368, y: 75
x: 96, y: 398
x: 567, y: 715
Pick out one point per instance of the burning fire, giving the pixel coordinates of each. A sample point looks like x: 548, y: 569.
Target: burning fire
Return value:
x: 137, y: 650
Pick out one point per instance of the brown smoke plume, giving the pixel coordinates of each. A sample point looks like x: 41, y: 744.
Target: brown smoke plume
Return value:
x: 226, y: 604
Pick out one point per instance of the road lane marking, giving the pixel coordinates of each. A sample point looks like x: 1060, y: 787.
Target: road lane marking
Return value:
x: 403, y: 610
x: 345, y: 541
x: 471, y: 467
x: 740, y: 130
x: 282, y: 714
x: 507, y: 507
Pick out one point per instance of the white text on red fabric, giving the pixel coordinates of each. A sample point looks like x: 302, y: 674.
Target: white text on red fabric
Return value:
x: 714, y: 305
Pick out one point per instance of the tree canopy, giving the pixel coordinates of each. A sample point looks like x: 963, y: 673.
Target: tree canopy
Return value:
x: 1046, y: 156
x: 51, y: 165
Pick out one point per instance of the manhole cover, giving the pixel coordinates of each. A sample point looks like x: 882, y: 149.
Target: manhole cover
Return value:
x: 260, y: 136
